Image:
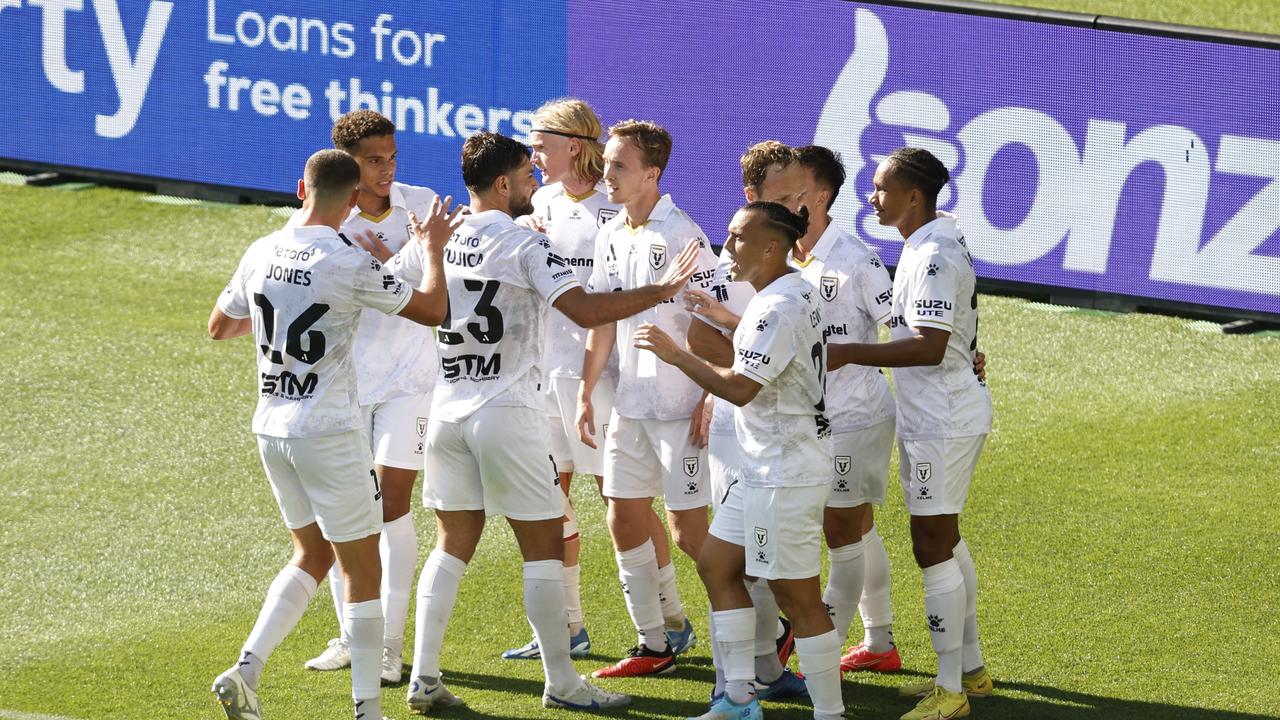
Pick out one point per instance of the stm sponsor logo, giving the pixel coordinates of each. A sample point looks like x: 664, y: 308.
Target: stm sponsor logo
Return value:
x: 288, y: 386
x: 471, y: 367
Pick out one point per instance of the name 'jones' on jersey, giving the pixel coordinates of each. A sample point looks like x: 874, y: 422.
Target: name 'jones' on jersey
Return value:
x: 490, y: 343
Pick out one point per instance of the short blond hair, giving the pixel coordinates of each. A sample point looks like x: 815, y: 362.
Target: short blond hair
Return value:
x: 652, y: 139
x: 574, y: 118
x: 758, y: 158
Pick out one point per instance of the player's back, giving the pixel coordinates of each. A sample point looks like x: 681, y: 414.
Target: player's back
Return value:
x: 305, y: 288
x: 500, y: 280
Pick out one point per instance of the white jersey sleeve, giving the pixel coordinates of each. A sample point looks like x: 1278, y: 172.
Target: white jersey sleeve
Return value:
x: 930, y: 301
x: 872, y: 281
x: 734, y: 296
x: 376, y: 287
x: 234, y: 302
x: 544, y: 277
x: 765, y: 344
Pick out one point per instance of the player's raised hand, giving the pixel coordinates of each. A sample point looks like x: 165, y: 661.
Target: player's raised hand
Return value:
x: 652, y: 338
x: 586, y: 421
x: 707, y: 307
x: 680, y: 269
x: 371, y: 243
x: 530, y: 222
x: 439, y: 225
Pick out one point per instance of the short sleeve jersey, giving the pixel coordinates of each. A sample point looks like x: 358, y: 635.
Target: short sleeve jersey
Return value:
x: 783, y: 432
x: 856, y: 295
x: 935, y: 287
x: 305, y: 288
x: 734, y: 295
x: 394, y: 357
x: 572, y: 225
x: 628, y: 258
x: 500, y: 280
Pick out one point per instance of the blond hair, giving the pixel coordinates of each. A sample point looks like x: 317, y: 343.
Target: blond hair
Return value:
x: 573, y: 118
x: 758, y: 158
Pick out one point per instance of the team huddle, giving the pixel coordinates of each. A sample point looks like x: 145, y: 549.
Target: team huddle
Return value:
x: 587, y: 326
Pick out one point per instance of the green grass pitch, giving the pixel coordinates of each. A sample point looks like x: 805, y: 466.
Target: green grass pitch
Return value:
x: 1123, y: 519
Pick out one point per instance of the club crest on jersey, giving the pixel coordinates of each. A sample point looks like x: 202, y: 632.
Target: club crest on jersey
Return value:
x: 422, y: 427
x: 924, y: 471
x: 843, y: 463
x: 762, y: 536
x: 829, y: 285
x: 657, y: 256
x: 691, y: 466
x: 605, y: 215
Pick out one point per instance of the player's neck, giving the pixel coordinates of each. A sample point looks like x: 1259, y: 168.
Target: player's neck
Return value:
x: 371, y: 204
x: 327, y: 217
x: 910, y: 225
x: 577, y: 188
x: 767, y: 278
x: 805, y: 245
x: 638, y: 210
x: 484, y: 203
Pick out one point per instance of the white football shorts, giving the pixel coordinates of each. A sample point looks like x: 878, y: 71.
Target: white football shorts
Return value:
x: 723, y: 455
x: 570, y: 453
x: 778, y: 528
x: 652, y: 458
x: 860, y: 471
x: 496, y: 460
x: 936, y: 473
x: 327, y: 480
x: 398, y: 430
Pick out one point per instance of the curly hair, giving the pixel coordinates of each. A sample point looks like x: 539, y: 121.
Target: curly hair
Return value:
x: 358, y: 125
x: 758, y: 158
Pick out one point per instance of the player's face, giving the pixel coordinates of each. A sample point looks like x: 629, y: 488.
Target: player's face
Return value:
x: 376, y: 157
x: 785, y: 186
x: 625, y: 173
x: 522, y: 184
x: 553, y: 155
x: 892, y: 198
x: 748, y: 245
x: 815, y: 196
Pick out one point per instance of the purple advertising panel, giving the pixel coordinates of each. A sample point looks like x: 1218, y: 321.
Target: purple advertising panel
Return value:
x: 1081, y: 158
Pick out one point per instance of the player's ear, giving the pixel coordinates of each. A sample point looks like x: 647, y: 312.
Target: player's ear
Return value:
x: 354, y: 199
x: 749, y: 193
x: 302, y: 190
x: 502, y: 185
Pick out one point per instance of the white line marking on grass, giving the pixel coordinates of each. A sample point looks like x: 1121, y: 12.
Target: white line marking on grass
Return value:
x: 20, y: 715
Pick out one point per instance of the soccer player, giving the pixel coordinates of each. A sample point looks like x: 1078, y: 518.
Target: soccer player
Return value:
x: 856, y: 293
x: 944, y: 414
x: 653, y: 441
x: 300, y: 291
x: 395, y: 365
x: 769, y: 172
x: 570, y: 208
x: 770, y: 524
x: 487, y: 438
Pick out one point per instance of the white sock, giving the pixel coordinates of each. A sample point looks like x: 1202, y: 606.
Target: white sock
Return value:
x: 844, y: 586
x: 820, y: 663
x: 338, y: 589
x: 544, y: 606
x: 369, y: 708
x: 717, y: 661
x: 669, y: 597
x: 734, y: 638
x: 972, y: 653
x: 768, y: 668
x: 876, y: 605
x: 638, y: 569
x: 364, y: 622
x: 437, y: 591
x: 286, y: 600
x: 399, y: 550
x: 944, y: 609
x: 573, y: 594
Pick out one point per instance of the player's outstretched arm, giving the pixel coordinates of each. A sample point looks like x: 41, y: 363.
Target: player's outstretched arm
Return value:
x: 224, y: 327
x: 722, y: 382
x: 430, y: 304
x: 926, y: 347
x: 591, y: 309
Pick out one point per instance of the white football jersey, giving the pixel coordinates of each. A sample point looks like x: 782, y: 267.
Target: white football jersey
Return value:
x: 394, y: 357
x: 856, y: 295
x: 734, y: 295
x: 501, y: 278
x: 935, y: 287
x: 784, y: 434
x: 572, y: 225
x: 649, y: 389
x: 305, y: 288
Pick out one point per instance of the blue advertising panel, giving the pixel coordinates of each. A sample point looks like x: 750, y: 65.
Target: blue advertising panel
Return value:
x: 1082, y: 158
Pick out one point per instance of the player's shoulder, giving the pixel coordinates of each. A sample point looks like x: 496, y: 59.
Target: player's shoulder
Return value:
x: 545, y: 194
x: 417, y: 198
x: 680, y: 224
